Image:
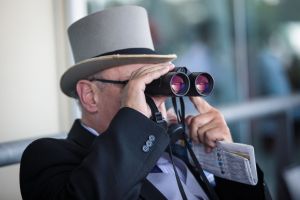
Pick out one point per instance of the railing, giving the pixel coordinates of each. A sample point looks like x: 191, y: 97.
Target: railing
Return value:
x: 11, y: 152
x: 260, y: 107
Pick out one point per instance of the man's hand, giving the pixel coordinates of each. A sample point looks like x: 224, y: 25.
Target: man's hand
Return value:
x: 133, y: 95
x: 209, y: 126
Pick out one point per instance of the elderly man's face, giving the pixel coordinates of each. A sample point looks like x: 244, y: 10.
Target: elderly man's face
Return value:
x: 110, y: 94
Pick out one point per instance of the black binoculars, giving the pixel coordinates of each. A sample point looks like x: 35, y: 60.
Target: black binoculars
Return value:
x: 181, y: 82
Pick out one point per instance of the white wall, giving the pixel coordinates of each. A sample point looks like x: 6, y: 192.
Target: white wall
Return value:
x: 9, y: 183
x: 29, y: 98
x: 31, y: 104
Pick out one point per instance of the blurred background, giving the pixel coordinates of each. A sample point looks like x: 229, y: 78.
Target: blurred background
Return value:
x: 252, y: 49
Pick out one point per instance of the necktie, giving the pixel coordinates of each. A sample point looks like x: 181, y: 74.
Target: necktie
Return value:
x: 164, y: 180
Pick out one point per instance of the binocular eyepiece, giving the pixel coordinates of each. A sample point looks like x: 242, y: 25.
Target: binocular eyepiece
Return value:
x: 181, y: 82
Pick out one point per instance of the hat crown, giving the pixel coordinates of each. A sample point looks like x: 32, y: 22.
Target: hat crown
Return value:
x: 110, y: 30
x: 117, y: 36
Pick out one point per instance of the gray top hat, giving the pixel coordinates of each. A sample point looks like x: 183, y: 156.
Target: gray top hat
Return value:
x: 112, y: 37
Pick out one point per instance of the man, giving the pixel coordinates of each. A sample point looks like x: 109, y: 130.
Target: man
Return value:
x: 111, y: 153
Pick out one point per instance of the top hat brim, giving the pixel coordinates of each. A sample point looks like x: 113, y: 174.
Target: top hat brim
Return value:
x: 88, y: 67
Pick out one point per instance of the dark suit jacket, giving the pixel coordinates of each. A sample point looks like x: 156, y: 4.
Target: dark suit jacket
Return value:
x: 111, y: 166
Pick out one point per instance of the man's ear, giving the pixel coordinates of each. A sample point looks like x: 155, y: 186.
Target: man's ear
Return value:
x: 86, y: 92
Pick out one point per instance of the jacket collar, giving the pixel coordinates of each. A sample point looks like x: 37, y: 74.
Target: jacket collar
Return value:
x: 80, y: 135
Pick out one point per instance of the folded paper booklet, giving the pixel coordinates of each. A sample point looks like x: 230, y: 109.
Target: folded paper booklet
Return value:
x: 233, y: 161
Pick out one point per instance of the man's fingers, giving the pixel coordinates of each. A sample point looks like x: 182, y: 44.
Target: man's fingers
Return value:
x: 171, y: 116
x: 188, y: 120
x: 152, y: 72
x: 212, y: 135
x: 145, y: 68
x: 198, y: 121
x: 133, y: 95
x: 212, y: 124
x: 202, y: 131
x: 208, y: 128
x: 149, y: 73
x: 200, y: 104
x: 210, y: 139
x: 162, y: 109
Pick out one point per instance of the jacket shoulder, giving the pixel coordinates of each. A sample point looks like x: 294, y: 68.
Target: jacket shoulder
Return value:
x: 43, y: 145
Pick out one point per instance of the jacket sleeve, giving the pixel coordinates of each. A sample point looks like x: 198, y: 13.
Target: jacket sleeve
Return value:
x: 113, y: 168
x: 227, y: 189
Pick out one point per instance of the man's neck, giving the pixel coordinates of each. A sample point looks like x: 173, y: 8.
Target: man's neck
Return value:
x: 93, y: 123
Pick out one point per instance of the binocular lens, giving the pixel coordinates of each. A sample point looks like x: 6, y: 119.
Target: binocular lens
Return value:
x: 171, y: 84
x: 203, y: 83
x: 179, y: 84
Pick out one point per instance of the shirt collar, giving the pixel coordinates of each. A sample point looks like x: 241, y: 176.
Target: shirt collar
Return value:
x: 91, y: 130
